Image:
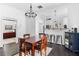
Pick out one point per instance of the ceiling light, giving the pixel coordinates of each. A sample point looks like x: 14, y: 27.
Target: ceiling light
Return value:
x: 30, y: 13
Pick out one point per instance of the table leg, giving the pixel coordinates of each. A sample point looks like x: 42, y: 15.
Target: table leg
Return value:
x: 33, y: 49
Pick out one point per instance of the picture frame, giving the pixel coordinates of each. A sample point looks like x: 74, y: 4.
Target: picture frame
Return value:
x: 8, y: 27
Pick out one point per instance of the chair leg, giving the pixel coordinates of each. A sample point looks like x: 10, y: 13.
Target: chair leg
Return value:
x: 45, y: 51
x: 29, y: 52
x: 41, y: 53
x: 38, y: 51
x: 20, y: 54
x: 24, y: 53
x: 61, y: 41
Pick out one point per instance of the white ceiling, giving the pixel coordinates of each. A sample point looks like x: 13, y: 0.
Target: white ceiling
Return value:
x: 25, y: 6
x: 45, y: 11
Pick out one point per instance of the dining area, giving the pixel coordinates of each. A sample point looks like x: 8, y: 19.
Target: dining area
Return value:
x: 33, y: 30
x: 28, y: 45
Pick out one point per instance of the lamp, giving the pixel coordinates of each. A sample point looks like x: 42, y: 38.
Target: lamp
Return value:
x: 30, y: 13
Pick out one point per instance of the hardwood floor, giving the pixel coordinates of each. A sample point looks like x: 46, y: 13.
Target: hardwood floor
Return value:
x: 57, y: 50
x: 1, y: 52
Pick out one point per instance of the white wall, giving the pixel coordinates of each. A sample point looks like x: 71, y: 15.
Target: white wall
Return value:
x: 10, y: 12
x: 7, y: 22
x: 0, y: 34
x: 71, y: 11
x: 38, y: 26
x: 30, y: 26
x: 74, y: 15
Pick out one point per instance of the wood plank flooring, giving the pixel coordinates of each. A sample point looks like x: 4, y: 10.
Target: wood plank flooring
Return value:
x: 57, y: 50
x: 1, y: 51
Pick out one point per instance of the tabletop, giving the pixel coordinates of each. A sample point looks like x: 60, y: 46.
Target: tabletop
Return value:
x: 32, y: 40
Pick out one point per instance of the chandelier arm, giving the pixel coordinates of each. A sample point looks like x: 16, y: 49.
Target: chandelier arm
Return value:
x: 31, y: 13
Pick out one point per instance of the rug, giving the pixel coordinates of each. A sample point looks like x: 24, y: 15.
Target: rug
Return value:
x: 38, y: 54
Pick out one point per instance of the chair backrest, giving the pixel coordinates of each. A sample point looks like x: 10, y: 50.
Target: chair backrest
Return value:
x: 43, y: 37
x: 40, y: 34
x: 21, y: 43
x: 26, y: 35
x: 43, y: 40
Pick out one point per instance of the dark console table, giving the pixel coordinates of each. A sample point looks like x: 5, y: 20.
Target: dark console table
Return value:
x: 72, y: 41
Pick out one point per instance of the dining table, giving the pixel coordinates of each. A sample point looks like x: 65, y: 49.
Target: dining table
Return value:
x: 33, y: 42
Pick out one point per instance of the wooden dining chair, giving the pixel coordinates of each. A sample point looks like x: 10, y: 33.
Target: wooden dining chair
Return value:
x: 24, y: 47
x: 21, y: 46
x: 40, y: 46
x: 28, y: 47
x: 26, y: 36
